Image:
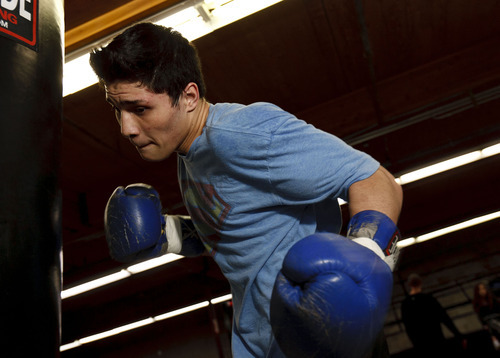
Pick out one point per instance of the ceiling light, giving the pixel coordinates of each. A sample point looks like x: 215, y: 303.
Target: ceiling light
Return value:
x: 181, y: 311
x: 406, y: 242
x: 193, y: 19
x: 69, y: 346
x: 449, y: 229
x: 125, y: 273
x: 225, y: 12
x: 492, y: 150
x: 456, y: 227
x: 106, y: 280
x: 118, y: 330
x: 221, y: 299
x: 449, y: 164
x: 439, y: 167
x: 142, y: 323
x: 77, y: 75
x: 149, y: 264
x: 189, y: 23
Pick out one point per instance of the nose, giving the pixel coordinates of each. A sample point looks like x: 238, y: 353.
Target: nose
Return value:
x: 128, y: 125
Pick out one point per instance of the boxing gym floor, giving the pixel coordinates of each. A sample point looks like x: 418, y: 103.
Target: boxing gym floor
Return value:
x: 415, y: 84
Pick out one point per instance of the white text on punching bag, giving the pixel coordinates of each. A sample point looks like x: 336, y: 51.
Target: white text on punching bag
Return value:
x: 12, y: 5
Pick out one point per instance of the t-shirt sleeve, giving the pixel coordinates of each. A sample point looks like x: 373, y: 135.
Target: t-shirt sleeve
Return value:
x: 308, y: 165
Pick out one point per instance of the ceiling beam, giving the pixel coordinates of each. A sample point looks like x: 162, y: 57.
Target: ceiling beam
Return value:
x: 113, y: 21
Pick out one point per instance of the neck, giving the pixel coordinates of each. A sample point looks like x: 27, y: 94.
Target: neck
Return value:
x: 198, y: 119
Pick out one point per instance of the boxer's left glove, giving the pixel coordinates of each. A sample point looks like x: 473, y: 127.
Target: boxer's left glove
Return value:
x: 330, y: 298
x: 135, y: 228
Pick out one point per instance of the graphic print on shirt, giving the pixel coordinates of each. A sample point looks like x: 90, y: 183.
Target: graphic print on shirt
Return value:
x: 207, y: 210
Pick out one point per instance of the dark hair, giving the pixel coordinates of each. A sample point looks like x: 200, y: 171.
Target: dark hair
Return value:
x: 414, y: 280
x: 478, y: 301
x: 156, y: 56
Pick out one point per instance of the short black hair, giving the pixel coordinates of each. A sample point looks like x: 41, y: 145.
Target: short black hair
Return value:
x: 158, y: 57
x: 414, y: 280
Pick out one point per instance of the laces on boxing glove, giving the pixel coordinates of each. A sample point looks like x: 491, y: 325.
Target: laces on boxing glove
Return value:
x: 377, y: 232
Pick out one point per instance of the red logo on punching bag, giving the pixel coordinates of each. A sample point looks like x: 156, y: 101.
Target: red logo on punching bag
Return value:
x: 19, y: 21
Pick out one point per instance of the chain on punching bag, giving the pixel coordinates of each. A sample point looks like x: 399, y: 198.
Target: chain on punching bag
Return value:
x: 31, y: 58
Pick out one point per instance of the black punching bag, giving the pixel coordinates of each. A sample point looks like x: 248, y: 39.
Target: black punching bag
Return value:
x: 31, y: 58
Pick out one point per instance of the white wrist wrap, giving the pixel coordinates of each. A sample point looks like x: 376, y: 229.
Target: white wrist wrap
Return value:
x: 173, y: 232
x: 372, y: 245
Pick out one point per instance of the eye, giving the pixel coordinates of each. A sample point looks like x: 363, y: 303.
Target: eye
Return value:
x: 140, y: 110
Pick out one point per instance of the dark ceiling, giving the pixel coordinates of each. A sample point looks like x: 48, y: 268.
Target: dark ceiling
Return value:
x: 409, y: 82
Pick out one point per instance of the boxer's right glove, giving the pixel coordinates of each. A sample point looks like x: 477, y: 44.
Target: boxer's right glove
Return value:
x: 330, y: 298
x: 136, y: 229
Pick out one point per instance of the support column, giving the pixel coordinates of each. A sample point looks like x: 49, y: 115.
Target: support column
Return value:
x: 31, y: 58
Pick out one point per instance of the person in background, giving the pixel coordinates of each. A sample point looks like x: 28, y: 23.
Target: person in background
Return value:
x: 422, y: 316
x: 487, y: 308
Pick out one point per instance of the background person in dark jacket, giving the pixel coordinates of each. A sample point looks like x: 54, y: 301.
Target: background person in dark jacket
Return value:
x: 422, y: 316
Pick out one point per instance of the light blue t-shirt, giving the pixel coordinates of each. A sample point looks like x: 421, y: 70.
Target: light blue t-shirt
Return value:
x: 256, y: 181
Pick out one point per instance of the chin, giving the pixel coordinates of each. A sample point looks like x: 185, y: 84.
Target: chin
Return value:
x: 152, y: 158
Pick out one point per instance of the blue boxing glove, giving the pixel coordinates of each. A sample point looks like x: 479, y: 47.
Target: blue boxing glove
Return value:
x: 330, y: 299
x: 136, y: 229
x: 377, y: 232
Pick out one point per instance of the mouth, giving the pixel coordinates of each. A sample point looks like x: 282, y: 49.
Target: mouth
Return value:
x: 141, y: 146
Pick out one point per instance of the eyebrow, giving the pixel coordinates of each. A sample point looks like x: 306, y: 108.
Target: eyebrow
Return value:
x: 124, y: 103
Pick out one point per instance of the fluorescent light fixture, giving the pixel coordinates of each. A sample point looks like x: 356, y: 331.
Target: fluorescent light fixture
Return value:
x: 181, y: 311
x: 106, y: 280
x: 188, y: 22
x: 456, y: 227
x: 225, y: 12
x: 492, y: 150
x: 149, y: 264
x: 78, y: 75
x: 69, y: 346
x: 440, y: 167
x: 193, y: 19
x: 221, y: 299
x: 124, y: 273
x: 179, y: 18
x: 142, y: 323
x: 448, y: 164
x: 117, y: 330
x: 406, y: 242
x: 449, y: 229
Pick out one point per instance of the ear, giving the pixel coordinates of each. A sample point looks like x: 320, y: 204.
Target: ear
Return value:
x: 191, y: 96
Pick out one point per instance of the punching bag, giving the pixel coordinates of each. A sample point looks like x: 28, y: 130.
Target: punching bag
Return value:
x: 31, y: 58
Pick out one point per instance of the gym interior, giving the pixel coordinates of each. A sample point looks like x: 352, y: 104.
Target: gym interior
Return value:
x: 412, y: 83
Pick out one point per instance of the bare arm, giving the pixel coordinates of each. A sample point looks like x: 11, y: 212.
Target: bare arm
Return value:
x: 378, y: 192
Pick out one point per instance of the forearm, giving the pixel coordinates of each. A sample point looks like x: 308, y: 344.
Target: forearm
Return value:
x: 374, y: 205
x: 379, y: 192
